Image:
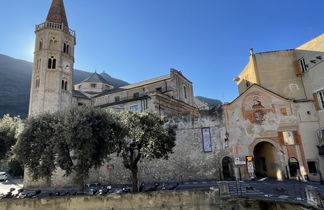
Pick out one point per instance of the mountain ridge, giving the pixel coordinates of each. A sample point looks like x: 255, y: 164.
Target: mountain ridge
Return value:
x: 15, y: 80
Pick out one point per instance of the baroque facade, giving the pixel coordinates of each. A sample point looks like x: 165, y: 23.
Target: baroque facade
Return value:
x: 273, y: 129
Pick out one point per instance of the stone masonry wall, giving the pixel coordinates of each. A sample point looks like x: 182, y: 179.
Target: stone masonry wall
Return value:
x: 173, y: 200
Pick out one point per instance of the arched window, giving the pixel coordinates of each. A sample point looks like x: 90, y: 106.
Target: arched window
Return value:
x: 185, y: 91
x: 51, y: 63
x: 40, y: 45
x: 54, y: 64
x: 37, y: 82
x: 64, y: 48
x: 67, y: 49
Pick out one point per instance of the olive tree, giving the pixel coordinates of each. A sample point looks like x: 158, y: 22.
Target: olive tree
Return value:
x: 87, y: 137
x: 35, y: 146
x: 147, y: 136
x: 76, y: 140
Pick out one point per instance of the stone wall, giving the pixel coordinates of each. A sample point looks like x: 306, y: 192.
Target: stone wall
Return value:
x: 173, y: 200
x: 187, y: 163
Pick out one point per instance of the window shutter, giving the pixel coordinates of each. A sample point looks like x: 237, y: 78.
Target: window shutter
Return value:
x: 281, y: 138
x: 297, y: 137
x: 297, y: 68
x: 316, y: 102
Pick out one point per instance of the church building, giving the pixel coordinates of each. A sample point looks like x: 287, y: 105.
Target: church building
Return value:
x: 274, y: 128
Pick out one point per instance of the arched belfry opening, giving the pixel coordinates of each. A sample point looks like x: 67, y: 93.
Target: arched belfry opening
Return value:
x: 266, y: 160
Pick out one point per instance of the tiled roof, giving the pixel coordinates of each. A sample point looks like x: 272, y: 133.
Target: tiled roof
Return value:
x: 57, y: 13
x: 146, y: 82
x: 95, y: 77
x: 79, y: 94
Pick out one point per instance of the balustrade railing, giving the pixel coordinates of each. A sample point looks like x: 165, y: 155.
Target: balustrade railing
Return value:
x: 58, y: 26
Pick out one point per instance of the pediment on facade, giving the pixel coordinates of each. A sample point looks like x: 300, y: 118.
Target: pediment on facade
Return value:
x: 257, y: 102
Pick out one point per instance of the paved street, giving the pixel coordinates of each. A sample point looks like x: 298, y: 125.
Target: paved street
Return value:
x: 269, y: 188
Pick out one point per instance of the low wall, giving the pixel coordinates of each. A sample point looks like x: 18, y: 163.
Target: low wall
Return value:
x: 173, y: 200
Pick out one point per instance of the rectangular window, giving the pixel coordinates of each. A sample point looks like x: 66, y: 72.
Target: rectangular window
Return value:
x: 136, y: 95
x: 289, y: 137
x: 159, y: 89
x: 93, y: 85
x: 206, y: 138
x: 134, y: 108
x: 303, y: 65
x: 117, y: 99
x: 312, y: 167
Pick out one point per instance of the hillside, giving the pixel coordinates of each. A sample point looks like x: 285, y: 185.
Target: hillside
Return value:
x: 15, y: 79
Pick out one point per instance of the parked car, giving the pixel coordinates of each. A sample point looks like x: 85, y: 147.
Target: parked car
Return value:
x: 3, y: 176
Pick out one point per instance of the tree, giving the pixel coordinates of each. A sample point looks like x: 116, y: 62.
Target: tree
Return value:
x: 9, y: 131
x: 147, y: 136
x: 87, y: 138
x: 76, y: 140
x: 35, y: 146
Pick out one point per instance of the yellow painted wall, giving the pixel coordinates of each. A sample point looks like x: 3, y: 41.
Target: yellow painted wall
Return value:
x: 247, y: 75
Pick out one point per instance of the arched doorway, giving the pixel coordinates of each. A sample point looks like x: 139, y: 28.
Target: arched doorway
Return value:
x: 227, y: 168
x: 293, y: 167
x: 265, y: 160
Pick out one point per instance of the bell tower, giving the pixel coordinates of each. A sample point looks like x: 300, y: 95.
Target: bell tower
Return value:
x: 51, y: 86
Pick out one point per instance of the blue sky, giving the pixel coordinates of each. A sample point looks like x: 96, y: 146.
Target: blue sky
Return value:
x: 134, y: 40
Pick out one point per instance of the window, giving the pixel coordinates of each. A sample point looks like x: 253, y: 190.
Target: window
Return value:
x: 66, y: 48
x: 37, y: 83
x: 54, y: 64
x: 51, y: 63
x: 38, y: 64
x: 117, y: 99
x: 185, y: 91
x: 93, y: 85
x: 312, y: 167
x: 136, y: 95
x: 64, y: 85
x: 40, y: 45
x: 159, y: 89
x: 303, y: 65
x: 134, y: 108
x: 288, y: 137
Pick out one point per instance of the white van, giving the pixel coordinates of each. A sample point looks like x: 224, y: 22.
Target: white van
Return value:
x: 3, y: 176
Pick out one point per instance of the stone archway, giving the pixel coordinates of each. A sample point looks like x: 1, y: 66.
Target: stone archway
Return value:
x: 266, y: 160
x: 227, y: 168
x: 294, y: 168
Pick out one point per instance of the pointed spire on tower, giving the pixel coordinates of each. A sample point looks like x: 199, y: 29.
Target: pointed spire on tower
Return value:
x: 57, y: 13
